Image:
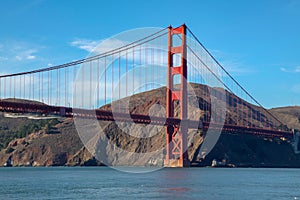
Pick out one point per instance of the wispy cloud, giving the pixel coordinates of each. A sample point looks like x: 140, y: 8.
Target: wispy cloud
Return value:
x: 17, y: 51
x: 85, y: 44
x: 15, y: 55
x: 283, y: 69
x: 98, y: 46
x: 27, y: 54
x: 291, y: 70
x: 232, y: 63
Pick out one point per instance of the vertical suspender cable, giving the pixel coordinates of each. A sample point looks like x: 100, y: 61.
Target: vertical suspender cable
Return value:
x: 74, y: 87
x: 126, y: 57
x: 97, y: 79
x: 133, y: 70
x: 112, y: 74
x: 33, y: 86
x: 42, y: 87
x: 66, y: 86
x: 119, y: 80
x: 105, y: 69
x: 140, y: 68
x: 82, y: 85
x: 14, y: 87
x: 91, y: 80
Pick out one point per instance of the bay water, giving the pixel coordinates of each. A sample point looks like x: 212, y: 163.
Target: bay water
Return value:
x: 188, y: 183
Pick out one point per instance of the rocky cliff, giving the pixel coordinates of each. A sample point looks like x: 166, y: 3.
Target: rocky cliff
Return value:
x: 58, y: 146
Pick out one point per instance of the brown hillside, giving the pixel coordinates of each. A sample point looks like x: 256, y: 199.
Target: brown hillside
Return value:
x: 288, y: 115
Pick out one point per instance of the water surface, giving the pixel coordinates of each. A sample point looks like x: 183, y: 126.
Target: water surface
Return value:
x: 189, y: 183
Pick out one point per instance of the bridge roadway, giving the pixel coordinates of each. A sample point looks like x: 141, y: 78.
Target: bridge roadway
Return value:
x: 43, y: 109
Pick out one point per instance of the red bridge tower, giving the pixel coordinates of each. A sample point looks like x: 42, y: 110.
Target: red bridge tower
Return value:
x: 176, y: 135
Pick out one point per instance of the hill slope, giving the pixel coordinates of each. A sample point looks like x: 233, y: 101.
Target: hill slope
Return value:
x: 52, y: 144
x: 288, y: 115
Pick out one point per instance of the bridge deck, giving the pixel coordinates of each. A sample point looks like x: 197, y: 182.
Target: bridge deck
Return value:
x: 43, y: 109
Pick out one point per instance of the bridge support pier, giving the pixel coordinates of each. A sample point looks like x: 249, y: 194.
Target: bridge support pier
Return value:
x: 296, y: 143
x: 176, y: 135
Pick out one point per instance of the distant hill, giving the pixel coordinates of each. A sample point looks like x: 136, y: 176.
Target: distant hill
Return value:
x: 56, y: 142
x: 23, y: 101
x: 289, y: 115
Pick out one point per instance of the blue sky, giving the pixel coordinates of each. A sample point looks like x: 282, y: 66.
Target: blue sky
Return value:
x: 257, y: 41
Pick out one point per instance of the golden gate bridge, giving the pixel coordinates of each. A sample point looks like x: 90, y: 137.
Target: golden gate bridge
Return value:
x: 171, y: 58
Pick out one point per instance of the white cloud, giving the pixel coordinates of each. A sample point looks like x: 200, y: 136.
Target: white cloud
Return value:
x: 12, y: 51
x: 26, y: 54
x: 293, y: 70
x: 235, y: 67
x: 110, y: 44
x: 283, y: 69
x: 18, y: 57
x: 98, y: 46
x: 231, y: 62
x: 85, y: 44
x: 30, y: 57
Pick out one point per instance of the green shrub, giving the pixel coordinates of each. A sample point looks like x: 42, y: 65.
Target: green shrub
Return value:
x: 9, y: 150
x: 22, y: 129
